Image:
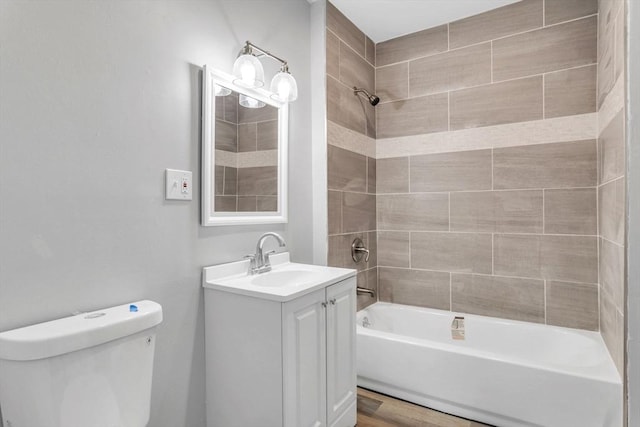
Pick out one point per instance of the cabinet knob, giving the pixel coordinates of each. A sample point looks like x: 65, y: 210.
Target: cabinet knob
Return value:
x: 324, y: 304
x: 332, y: 301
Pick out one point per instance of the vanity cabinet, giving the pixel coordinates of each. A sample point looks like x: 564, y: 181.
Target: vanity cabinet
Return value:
x: 288, y: 363
x: 319, y: 357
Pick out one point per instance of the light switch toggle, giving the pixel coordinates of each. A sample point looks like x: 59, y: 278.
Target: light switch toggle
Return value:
x: 178, y: 185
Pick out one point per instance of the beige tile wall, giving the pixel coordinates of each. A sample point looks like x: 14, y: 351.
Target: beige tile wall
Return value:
x: 611, y: 179
x: 352, y: 167
x: 510, y: 232
x: 528, y: 61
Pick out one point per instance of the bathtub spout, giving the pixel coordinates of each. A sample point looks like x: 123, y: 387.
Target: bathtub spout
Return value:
x: 370, y: 292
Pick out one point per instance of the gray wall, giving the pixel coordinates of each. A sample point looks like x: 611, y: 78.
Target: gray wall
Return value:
x: 96, y: 100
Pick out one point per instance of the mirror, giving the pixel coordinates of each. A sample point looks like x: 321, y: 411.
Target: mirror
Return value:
x: 244, y: 153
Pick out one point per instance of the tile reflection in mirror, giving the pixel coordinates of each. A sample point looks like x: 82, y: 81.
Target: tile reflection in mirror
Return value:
x: 246, y: 174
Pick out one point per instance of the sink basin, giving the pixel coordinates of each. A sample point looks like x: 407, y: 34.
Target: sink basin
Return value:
x: 283, y: 278
x: 287, y: 280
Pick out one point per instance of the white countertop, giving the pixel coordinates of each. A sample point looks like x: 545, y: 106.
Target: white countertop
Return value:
x: 286, y: 280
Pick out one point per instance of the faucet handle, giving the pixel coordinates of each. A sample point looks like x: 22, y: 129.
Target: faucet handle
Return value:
x: 267, y: 260
x: 252, y: 261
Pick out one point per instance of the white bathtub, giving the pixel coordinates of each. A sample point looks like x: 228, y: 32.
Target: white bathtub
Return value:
x: 505, y: 373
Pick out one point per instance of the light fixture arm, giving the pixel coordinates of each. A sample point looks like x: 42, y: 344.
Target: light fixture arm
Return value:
x: 248, y: 50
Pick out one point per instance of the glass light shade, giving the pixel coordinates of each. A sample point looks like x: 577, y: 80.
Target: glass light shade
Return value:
x: 284, y: 87
x: 248, y: 102
x: 221, y: 90
x: 248, y: 71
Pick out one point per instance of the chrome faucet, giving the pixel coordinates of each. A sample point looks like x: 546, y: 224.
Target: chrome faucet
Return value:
x: 260, y: 262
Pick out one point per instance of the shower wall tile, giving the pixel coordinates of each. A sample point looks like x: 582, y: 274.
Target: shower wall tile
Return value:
x: 230, y: 105
x: 515, y: 18
x: 266, y: 203
x: 355, y: 70
x: 505, y: 297
x: 370, y: 51
x: 414, y: 45
x: 612, y: 210
x: 611, y: 149
x: 334, y: 205
x: 558, y: 165
x: 466, y: 170
x: 570, y: 92
x: 333, y: 55
x: 426, y: 211
x: 612, y: 271
x: 344, y: 108
x: 549, y: 49
x: 572, y: 305
x: 415, y: 287
x: 247, y: 203
x: 226, y: 135
x: 345, y: 29
x: 393, y: 175
x: 252, y: 115
x: 258, y: 181
x: 415, y: 116
x: 367, y: 279
x: 247, y: 137
x: 571, y: 211
x: 456, y: 69
x: 499, y: 103
x: 392, y: 82
x: 371, y: 175
x: 612, y: 330
x: 358, y: 212
x: 453, y: 252
x: 497, y: 211
x: 225, y: 203
x: 347, y: 171
x: 267, y: 135
x: 372, y: 245
x: 340, y: 251
x: 564, y: 258
x: 393, y: 248
x: 219, y: 180
x: 230, y: 181
x: 468, y: 228
x: 556, y: 11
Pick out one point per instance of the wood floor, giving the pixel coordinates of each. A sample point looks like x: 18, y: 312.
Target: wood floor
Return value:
x: 377, y: 410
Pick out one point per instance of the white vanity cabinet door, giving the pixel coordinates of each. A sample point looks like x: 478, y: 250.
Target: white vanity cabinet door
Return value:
x: 341, y: 353
x: 304, y: 361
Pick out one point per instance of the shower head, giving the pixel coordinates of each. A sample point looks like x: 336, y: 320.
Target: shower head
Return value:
x: 373, y: 99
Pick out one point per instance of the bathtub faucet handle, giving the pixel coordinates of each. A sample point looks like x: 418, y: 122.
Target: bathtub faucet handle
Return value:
x: 357, y: 249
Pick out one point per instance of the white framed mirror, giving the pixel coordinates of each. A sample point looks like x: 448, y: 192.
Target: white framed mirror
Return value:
x: 244, y: 153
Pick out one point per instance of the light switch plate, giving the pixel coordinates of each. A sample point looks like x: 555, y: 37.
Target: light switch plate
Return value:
x: 178, y: 185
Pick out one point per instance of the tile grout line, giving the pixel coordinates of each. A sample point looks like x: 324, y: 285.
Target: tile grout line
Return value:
x: 348, y: 45
x: 544, y: 229
x: 544, y: 106
x: 484, y: 41
x: 491, y: 53
x: 545, y: 301
x: 492, y: 83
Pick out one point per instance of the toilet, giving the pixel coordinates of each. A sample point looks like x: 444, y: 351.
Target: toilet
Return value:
x: 87, y: 370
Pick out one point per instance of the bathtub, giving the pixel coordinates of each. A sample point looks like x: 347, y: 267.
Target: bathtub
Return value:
x: 504, y: 372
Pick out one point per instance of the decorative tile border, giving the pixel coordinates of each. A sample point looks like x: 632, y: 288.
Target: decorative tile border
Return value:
x: 349, y: 140
x: 248, y: 159
x: 613, y: 103
x: 561, y: 129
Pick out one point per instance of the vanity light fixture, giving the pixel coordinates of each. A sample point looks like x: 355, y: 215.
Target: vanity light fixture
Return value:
x: 248, y: 72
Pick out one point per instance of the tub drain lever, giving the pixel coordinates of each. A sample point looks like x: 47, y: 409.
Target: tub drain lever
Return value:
x: 457, y: 328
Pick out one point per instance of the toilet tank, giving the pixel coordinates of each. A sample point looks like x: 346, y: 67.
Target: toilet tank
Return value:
x: 87, y: 370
